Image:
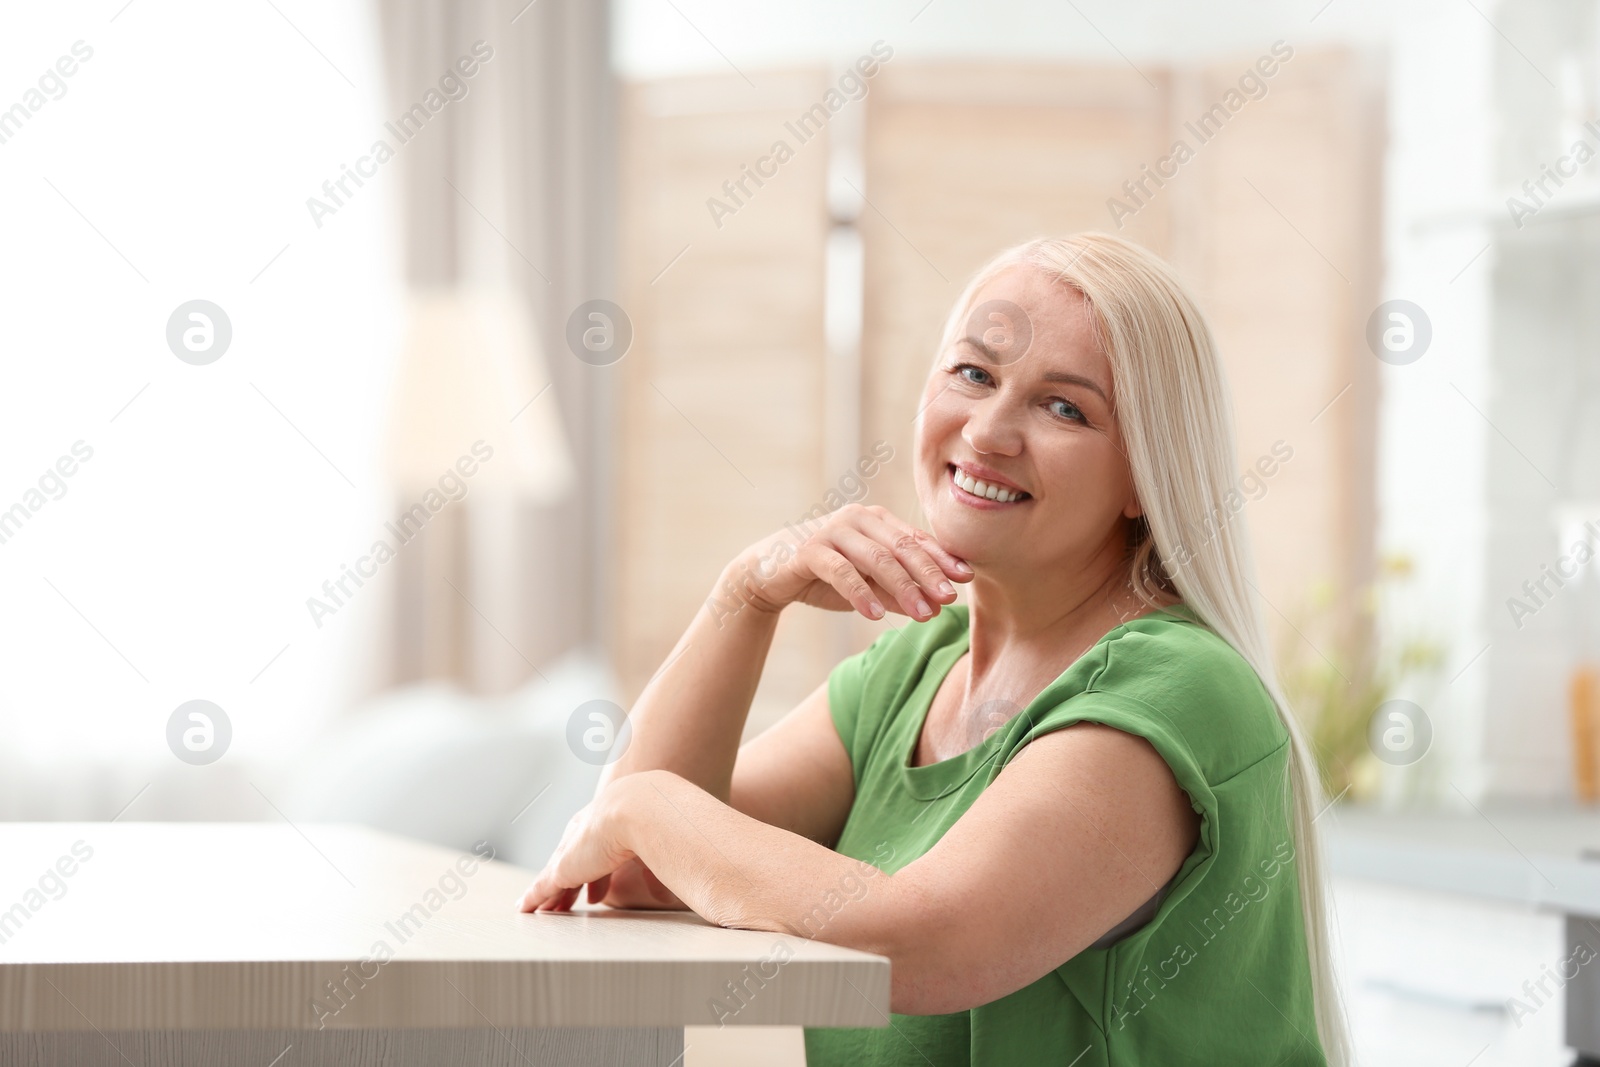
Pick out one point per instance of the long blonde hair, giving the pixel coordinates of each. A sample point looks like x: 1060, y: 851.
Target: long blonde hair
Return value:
x: 1173, y: 406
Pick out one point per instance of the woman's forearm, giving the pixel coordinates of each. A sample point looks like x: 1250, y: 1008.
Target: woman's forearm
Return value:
x: 739, y: 872
x: 691, y: 715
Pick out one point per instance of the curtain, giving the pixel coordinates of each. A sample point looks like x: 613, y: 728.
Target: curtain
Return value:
x: 511, y: 181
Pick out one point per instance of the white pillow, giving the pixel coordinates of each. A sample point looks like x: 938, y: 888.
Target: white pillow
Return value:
x: 433, y: 762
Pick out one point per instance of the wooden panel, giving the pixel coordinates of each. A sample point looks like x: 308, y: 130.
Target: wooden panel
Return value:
x: 243, y: 926
x: 720, y: 411
x: 1281, y: 222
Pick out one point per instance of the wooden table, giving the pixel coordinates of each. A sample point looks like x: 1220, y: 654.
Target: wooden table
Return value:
x: 283, y: 946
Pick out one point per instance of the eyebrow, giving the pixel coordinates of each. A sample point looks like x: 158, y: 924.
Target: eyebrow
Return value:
x: 1049, y: 376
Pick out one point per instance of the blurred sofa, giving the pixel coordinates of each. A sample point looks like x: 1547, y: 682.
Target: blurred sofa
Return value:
x: 432, y: 762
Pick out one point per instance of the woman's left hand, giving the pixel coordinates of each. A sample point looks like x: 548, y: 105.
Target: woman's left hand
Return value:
x: 591, y: 847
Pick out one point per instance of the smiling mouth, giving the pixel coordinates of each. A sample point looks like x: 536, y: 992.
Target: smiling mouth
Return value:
x: 981, y: 491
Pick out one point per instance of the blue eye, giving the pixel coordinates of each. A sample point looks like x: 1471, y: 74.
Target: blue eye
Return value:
x: 959, y: 367
x: 1075, y: 416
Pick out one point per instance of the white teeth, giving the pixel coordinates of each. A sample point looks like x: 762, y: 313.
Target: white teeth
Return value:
x: 984, y: 489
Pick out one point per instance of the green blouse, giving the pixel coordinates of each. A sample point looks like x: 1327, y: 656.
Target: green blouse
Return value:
x: 1220, y: 975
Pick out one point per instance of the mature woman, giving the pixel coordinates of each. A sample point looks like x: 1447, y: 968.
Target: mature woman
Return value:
x: 1075, y: 811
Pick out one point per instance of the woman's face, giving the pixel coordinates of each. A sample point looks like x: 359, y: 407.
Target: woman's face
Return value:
x: 1024, y: 394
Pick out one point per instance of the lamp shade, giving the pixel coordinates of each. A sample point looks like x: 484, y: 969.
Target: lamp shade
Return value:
x: 470, y: 364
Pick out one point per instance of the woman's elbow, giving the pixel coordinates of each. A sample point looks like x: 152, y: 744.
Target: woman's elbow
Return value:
x: 890, y: 917
x: 923, y: 983
x: 927, y: 974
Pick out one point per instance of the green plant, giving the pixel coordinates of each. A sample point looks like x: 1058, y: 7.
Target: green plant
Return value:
x: 1335, y: 681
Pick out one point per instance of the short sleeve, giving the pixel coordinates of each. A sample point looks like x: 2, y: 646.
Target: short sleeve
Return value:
x: 847, y: 685
x: 1133, y: 716
x: 1180, y: 687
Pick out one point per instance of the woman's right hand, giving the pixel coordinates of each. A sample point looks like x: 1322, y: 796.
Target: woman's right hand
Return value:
x: 858, y: 558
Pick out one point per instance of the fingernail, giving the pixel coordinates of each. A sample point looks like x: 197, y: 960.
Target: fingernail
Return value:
x: 876, y: 609
x: 946, y: 588
x: 923, y: 609
x: 962, y: 565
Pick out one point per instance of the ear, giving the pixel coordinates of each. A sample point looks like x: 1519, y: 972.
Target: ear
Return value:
x: 1134, y: 509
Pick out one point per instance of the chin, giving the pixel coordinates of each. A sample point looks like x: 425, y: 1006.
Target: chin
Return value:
x: 967, y: 547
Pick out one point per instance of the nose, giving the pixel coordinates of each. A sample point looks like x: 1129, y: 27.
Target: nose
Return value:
x: 991, y: 428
